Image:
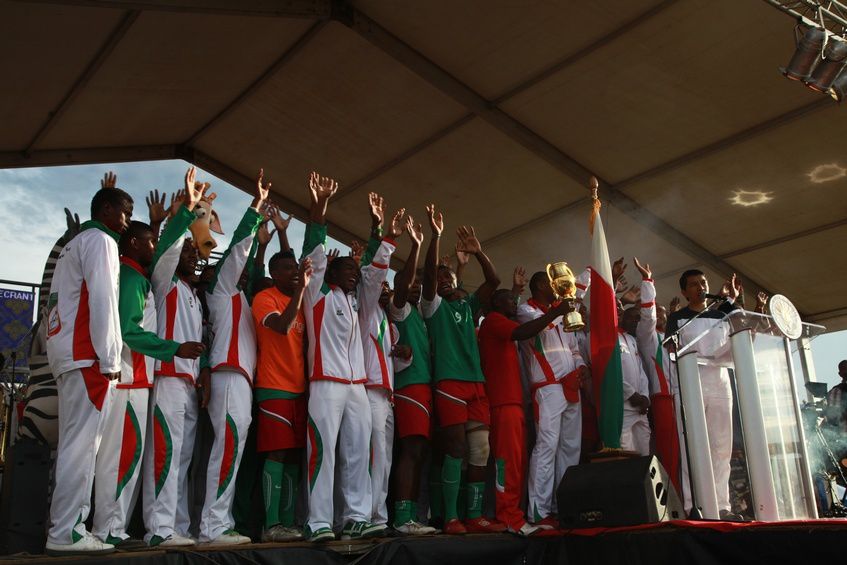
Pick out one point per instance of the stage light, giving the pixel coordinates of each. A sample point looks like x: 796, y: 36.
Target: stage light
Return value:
x: 807, y: 53
x: 835, y: 57
x: 839, y: 88
x: 747, y: 198
x: 826, y: 173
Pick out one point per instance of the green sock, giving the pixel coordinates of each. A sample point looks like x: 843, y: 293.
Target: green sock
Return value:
x: 271, y: 491
x: 451, y: 476
x: 436, y: 493
x: 474, y: 498
x: 402, y: 512
x: 290, y: 484
x: 461, y: 500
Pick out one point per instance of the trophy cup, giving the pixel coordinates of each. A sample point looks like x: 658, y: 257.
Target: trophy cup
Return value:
x: 563, y: 283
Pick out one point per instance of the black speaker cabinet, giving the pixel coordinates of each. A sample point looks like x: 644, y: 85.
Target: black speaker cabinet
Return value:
x: 23, y: 507
x: 624, y: 492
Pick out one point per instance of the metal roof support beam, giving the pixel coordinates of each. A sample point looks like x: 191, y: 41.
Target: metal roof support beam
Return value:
x: 320, y: 9
x: 248, y: 184
x: 344, y: 14
x: 54, y: 157
x: 102, y: 54
x: 284, y: 59
x: 785, y: 238
x: 488, y: 111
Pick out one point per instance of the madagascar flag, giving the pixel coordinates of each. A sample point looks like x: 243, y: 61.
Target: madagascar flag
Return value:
x: 606, y: 372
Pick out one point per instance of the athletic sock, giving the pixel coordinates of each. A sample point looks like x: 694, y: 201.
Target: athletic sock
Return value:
x: 290, y: 484
x: 451, y: 476
x: 474, y: 500
x: 271, y: 491
x: 402, y: 512
x: 436, y: 493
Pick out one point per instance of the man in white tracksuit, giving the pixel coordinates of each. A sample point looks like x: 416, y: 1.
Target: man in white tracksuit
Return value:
x: 714, y: 380
x: 635, y: 431
x: 233, y: 363
x: 84, y: 352
x: 378, y: 338
x: 173, y: 401
x: 339, y: 411
x: 555, y: 369
x: 119, y: 458
x: 663, y: 382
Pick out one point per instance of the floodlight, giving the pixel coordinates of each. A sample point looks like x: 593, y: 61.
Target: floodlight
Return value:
x: 835, y: 57
x: 807, y: 53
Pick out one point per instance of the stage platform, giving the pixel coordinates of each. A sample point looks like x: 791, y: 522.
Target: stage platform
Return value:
x: 679, y: 542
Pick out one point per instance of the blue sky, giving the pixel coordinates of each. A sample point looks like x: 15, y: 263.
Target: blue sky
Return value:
x: 32, y: 218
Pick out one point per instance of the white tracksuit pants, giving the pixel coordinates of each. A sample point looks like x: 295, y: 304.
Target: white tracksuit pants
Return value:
x: 173, y: 422
x: 81, y: 425
x: 382, y: 444
x: 717, y: 400
x: 635, y: 432
x: 229, y: 408
x: 558, y: 439
x: 119, y: 461
x: 340, y: 414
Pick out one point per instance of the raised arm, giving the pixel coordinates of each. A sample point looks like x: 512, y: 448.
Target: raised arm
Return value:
x: 404, y: 279
x: 157, y: 212
x: 321, y: 189
x: 281, y: 224
x: 166, y: 257
x: 282, y: 322
x: 645, y: 334
x: 375, y: 271
x: 430, y: 282
x: 469, y: 243
x: 532, y: 328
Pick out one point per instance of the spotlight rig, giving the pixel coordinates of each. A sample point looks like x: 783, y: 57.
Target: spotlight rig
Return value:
x: 821, y: 37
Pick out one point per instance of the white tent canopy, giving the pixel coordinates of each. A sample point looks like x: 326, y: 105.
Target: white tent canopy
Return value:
x: 496, y: 110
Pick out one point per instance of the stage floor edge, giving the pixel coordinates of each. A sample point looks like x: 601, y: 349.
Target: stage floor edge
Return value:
x: 668, y: 542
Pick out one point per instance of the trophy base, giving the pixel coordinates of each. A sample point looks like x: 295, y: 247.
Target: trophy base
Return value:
x: 573, y: 322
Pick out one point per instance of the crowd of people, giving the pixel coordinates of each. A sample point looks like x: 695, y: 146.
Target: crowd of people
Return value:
x: 354, y: 389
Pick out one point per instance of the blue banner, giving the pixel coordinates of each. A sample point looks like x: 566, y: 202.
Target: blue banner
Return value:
x: 16, y: 309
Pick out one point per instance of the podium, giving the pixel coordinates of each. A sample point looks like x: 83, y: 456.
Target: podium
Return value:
x: 749, y: 349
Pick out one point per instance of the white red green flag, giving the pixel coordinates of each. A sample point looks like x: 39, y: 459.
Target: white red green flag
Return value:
x: 606, y: 371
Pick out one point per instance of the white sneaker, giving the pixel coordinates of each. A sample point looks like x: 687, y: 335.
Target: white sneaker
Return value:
x: 412, y: 528
x: 280, y: 533
x: 229, y: 537
x: 173, y: 540
x: 526, y: 530
x: 88, y: 545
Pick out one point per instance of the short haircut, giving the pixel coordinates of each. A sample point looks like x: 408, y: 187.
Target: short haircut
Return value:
x: 135, y: 229
x: 113, y: 196
x: 538, y: 280
x: 274, y: 261
x: 683, y: 278
x: 498, y: 294
x: 335, y: 264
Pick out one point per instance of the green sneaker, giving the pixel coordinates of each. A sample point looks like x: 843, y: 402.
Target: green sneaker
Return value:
x: 361, y: 530
x: 125, y: 543
x: 319, y: 535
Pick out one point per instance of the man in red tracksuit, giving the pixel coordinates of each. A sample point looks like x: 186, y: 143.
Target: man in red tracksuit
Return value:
x: 498, y: 349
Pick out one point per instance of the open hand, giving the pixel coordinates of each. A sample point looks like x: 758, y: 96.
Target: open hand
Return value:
x: 156, y: 207
x: 321, y: 188
x: 631, y: 296
x: 519, y: 279
x: 618, y: 267
x: 193, y: 190
x: 644, y: 269
x: 414, y: 230
x: 262, y: 190
x: 263, y: 236
x: 332, y: 255
x: 468, y: 243
x: 280, y: 223
x: 674, y: 305
x: 436, y: 220
x: 110, y: 180
x: 397, y: 224
x: 305, y: 272
x: 376, y: 207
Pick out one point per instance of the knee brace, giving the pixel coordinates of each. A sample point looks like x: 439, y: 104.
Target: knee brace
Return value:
x: 478, y: 447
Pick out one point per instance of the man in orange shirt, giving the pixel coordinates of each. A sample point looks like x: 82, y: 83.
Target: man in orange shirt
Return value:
x: 280, y: 391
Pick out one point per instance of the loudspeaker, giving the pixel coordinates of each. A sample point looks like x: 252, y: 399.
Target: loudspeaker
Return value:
x: 624, y: 492
x: 23, y: 508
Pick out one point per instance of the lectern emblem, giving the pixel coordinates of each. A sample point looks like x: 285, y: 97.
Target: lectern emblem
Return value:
x: 785, y: 316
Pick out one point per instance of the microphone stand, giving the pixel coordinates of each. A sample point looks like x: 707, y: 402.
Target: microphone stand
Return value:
x: 674, y: 338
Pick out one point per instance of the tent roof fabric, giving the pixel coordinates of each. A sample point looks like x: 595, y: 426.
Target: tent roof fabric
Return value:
x: 497, y: 111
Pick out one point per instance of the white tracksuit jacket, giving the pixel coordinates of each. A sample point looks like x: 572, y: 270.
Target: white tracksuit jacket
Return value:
x: 378, y: 335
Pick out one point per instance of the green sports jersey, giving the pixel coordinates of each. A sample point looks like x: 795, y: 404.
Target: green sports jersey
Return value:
x: 411, y: 331
x: 455, y: 350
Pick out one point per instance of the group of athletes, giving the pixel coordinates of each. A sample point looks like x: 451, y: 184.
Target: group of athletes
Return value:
x: 351, y: 386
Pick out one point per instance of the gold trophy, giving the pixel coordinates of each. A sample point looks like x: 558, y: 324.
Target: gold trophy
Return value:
x: 563, y: 283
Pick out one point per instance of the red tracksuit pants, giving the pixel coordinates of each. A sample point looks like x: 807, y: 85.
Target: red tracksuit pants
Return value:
x: 508, y: 443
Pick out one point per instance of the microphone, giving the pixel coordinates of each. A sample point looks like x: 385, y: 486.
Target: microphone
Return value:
x: 714, y: 296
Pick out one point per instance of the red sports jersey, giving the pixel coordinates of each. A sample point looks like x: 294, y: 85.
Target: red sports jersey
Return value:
x: 500, y: 363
